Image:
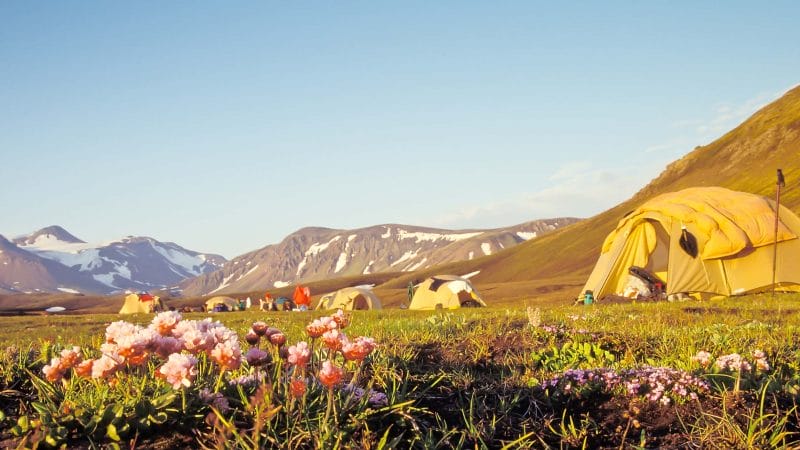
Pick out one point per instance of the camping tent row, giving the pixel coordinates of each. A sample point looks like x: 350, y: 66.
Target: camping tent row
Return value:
x: 141, y: 303
x: 706, y: 240
x: 222, y: 302
x: 439, y: 292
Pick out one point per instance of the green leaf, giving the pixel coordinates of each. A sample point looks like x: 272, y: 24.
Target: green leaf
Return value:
x: 41, y: 408
x: 24, y: 423
x: 111, y: 432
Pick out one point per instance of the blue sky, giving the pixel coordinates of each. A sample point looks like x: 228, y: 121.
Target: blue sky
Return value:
x: 225, y: 126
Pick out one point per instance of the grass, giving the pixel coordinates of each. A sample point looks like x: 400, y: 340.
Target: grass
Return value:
x: 478, y: 378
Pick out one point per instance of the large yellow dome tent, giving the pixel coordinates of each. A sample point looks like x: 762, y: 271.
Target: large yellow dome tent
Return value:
x: 231, y: 304
x: 141, y: 303
x: 702, y: 240
x: 350, y: 298
x: 445, y: 292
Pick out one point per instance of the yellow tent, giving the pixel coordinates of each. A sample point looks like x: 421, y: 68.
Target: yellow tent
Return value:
x: 445, y: 292
x: 702, y: 240
x: 142, y: 303
x: 231, y: 304
x: 350, y: 298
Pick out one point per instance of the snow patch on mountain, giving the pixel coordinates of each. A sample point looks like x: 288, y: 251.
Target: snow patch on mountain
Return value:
x: 67, y: 290
x: 341, y: 262
x: 432, y: 237
x: 471, y: 255
x: 225, y: 282
x: 406, y: 256
x: 487, y: 248
x: 367, y: 270
x: 415, y: 266
x: 315, y: 249
x: 388, y: 233
x: 281, y: 284
x: 190, y: 263
x: 525, y: 235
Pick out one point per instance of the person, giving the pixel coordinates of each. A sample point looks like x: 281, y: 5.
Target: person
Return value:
x: 267, y: 303
x: 410, y: 291
x: 302, y: 297
x: 241, y: 305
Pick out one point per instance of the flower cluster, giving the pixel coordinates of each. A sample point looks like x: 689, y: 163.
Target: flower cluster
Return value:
x: 655, y: 384
x: 168, y: 337
x: 733, y: 362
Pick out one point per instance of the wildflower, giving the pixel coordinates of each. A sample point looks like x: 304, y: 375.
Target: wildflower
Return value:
x: 84, y: 368
x: 534, y: 317
x: 256, y: 357
x: 319, y: 326
x: 734, y: 363
x: 342, y: 320
x: 163, y: 323
x: 70, y: 357
x: 359, y: 349
x: 119, y: 329
x: 227, y: 354
x: 297, y: 387
x: 330, y: 375
x: 104, y: 366
x: 260, y: 328
x: 277, y: 339
x: 248, y: 380
x: 703, y: 358
x: 53, y: 372
x: 252, y: 338
x: 760, y: 358
x: 179, y: 370
x: 299, y: 354
x: 214, y: 399
x: 333, y: 339
x: 164, y: 346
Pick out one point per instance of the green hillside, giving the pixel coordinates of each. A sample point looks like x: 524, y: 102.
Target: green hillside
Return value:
x: 744, y: 159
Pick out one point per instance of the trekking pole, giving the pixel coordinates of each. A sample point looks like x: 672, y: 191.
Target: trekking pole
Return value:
x: 779, y: 184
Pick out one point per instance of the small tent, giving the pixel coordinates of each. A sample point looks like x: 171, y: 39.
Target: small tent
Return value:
x: 707, y: 240
x: 230, y: 304
x: 141, y: 303
x: 349, y: 299
x: 445, y: 292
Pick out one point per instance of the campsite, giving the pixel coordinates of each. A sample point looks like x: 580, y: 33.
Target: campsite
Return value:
x: 399, y: 226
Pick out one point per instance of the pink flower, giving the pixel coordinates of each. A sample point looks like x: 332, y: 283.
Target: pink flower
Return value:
x: 330, y: 375
x: 227, y: 354
x: 252, y: 338
x: 256, y: 357
x: 163, y: 323
x: 53, y: 372
x: 71, y: 357
x: 297, y: 387
x: 119, y: 329
x: 342, y: 320
x: 299, y: 354
x: 703, y: 358
x: 319, y: 326
x: 84, y: 369
x: 167, y: 345
x: 104, y: 366
x: 333, y: 339
x: 359, y: 349
x: 179, y: 370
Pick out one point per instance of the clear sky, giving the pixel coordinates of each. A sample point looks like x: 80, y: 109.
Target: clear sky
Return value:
x: 225, y: 126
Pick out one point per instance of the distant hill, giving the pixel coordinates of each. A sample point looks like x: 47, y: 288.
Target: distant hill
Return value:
x: 745, y: 159
x: 313, y: 254
x: 53, y: 260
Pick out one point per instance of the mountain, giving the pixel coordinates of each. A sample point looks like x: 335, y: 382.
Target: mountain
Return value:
x: 52, y: 259
x: 23, y: 271
x: 745, y: 159
x: 317, y: 253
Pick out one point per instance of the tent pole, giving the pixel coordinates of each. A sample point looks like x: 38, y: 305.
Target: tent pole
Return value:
x: 779, y: 184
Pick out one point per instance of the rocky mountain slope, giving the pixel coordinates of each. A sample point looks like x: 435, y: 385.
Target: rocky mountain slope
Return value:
x: 52, y: 259
x: 320, y: 253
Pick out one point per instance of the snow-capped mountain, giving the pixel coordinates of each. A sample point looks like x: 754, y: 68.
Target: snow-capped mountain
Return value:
x: 69, y: 264
x: 319, y: 253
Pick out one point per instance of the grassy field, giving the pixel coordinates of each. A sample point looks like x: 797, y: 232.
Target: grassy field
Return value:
x: 601, y: 376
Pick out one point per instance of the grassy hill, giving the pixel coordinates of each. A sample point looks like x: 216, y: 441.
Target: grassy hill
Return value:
x: 745, y: 159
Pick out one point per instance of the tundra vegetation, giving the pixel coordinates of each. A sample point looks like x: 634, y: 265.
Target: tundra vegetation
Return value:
x: 695, y: 374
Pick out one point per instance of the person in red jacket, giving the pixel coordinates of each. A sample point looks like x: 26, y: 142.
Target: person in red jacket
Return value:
x: 301, y: 297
